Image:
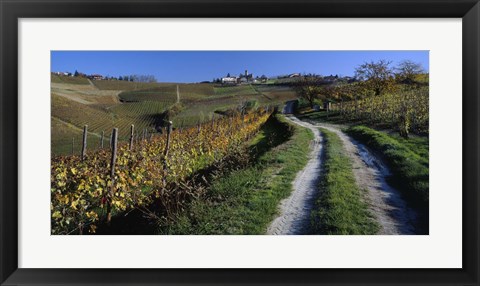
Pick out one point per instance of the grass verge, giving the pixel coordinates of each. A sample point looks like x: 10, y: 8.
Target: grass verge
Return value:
x: 340, y: 208
x: 245, y: 201
x: 409, y: 169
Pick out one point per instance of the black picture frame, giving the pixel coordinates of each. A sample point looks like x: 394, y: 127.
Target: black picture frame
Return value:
x: 11, y: 11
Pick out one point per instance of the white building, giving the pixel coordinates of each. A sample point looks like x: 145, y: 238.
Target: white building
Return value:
x: 229, y: 80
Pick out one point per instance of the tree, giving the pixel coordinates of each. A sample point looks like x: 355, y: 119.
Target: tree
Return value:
x: 76, y: 73
x: 228, y: 74
x: 308, y: 88
x: 376, y: 76
x: 408, y: 70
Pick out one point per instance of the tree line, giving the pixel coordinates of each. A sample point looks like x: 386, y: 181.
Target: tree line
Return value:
x: 132, y: 77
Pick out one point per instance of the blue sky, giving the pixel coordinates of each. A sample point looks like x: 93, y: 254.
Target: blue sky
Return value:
x: 196, y: 66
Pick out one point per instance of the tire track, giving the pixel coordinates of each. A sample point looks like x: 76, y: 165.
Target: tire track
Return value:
x: 385, y: 202
x: 295, y: 210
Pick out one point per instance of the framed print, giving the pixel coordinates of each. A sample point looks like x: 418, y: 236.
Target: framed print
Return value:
x: 223, y: 142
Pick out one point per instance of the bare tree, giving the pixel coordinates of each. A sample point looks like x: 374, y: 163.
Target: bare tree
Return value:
x: 407, y: 70
x: 308, y: 88
x: 377, y: 76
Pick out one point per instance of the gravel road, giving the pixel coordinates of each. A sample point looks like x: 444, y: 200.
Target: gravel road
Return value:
x: 296, y: 209
x: 384, y: 202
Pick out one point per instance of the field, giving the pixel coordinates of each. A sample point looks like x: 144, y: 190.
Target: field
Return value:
x: 230, y: 161
x: 104, y: 105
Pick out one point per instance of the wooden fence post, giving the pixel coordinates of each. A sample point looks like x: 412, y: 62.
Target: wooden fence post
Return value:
x: 111, y: 141
x: 165, y: 152
x: 131, y: 136
x: 112, y: 174
x: 84, y: 145
x: 169, y: 131
x: 103, y: 135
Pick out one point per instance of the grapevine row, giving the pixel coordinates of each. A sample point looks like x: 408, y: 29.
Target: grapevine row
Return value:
x: 408, y: 110
x: 81, y: 190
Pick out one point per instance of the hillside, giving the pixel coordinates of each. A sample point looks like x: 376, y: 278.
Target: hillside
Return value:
x: 103, y: 105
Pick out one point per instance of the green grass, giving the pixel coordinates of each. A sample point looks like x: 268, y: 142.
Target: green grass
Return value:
x: 409, y: 168
x: 417, y: 144
x: 246, y: 201
x: 340, y: 207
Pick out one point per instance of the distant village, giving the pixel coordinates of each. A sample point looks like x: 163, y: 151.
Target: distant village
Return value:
x: 241, y: 79
x: 246, y: 78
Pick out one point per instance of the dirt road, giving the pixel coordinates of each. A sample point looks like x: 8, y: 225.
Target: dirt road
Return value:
x: 296, y: 209
x: 384, y: 202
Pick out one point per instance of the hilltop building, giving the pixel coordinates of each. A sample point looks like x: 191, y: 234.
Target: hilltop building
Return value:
x: 229, y: 80
x: 242, y: 78
x: 96, y: 77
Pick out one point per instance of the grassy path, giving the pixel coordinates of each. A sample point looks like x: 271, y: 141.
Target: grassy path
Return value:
x: 409, y: 168
x: 371, y: 173
x: 296, y: 209
x: 341, y: 207
x: 360, y: 178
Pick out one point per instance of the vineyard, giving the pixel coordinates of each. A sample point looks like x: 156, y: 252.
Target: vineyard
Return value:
x: 235, y: 90
x: 153, y: 94
x: 154, y: 170
x: 124, y: 85
x: 406, y: 110
x: 100, y: 119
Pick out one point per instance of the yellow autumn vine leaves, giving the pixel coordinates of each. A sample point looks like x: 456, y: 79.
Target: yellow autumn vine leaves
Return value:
x: 80, y: 190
